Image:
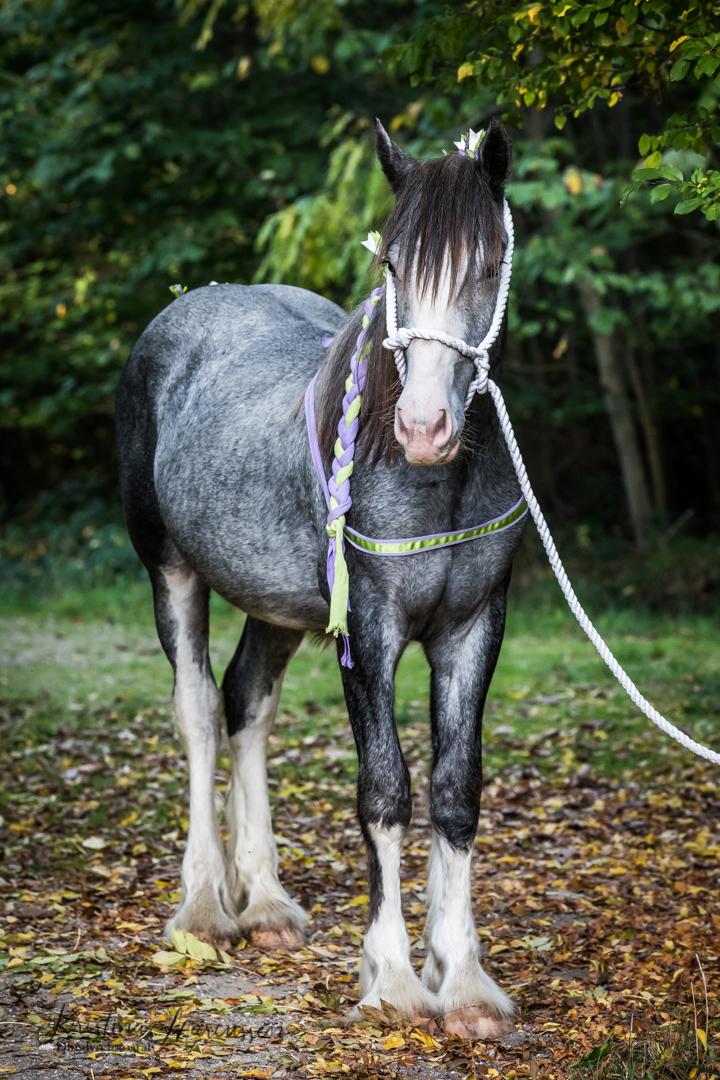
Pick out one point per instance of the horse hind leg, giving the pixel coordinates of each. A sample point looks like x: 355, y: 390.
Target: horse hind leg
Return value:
x: 251, y: 689
x: 181, y: 614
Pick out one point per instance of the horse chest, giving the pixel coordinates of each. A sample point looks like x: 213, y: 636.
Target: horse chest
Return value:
x: 447, y: 585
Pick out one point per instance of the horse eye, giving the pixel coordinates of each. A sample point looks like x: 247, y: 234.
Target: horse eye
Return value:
x: 391, y: 268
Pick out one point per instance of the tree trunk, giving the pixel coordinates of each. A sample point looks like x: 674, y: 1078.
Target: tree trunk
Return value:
x: 650, y: 435
x: 621, y: 420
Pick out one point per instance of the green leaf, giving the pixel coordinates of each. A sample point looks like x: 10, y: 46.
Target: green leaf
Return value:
x: 189, y: 945
x: 661, y: 192
x: 166, y: 958
x: 707, y: 65
x: 649, y: 174
x: 200, y: 950
x: 605, y: 320
x: 594, y: 1057
x: 671, y: 172
x: 679, y: 70
x: 688, y: 205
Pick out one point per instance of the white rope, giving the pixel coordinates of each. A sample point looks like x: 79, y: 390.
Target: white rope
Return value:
x: 569, y: 593
x: 398, y: 340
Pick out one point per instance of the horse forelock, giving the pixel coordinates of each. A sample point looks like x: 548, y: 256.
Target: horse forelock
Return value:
x: 445, y: 216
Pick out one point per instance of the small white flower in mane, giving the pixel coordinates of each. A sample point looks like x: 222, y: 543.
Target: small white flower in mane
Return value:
x: 373, y: 242
x: 468, y: 144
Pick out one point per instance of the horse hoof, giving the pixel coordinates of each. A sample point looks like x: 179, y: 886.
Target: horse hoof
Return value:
x: 368, y: 1013
x: 473, y: 1022
x: 218, y: 940
x: 269, y: 938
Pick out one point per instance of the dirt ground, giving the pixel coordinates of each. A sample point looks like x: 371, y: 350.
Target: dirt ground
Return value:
x: 597, y: 904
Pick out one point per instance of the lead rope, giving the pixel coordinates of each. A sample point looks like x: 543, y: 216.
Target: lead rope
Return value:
x: 398, y: 340
x: 568, y: 592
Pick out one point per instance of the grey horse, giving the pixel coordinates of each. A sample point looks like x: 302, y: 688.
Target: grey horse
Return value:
x: 219, y: 493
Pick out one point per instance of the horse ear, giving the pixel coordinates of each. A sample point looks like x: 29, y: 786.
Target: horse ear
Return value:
x: 396, y: 164
x: 495, y: 155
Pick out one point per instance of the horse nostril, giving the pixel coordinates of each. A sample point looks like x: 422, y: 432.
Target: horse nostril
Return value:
x: 440, y: 429
x: 437, y: 432
x: 403, y: 430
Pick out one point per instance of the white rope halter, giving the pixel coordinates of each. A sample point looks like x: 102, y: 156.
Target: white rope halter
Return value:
x: 399, y: 338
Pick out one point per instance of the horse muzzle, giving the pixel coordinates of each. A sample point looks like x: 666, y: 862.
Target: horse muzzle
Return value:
x: 427, y: 441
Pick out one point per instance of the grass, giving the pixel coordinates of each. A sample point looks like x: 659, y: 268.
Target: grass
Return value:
x: 78, y: 650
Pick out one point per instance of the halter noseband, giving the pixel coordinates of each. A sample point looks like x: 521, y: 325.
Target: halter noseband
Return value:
x: 399, y: 338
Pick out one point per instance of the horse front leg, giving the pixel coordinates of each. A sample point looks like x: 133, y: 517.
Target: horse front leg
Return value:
x: 462, y: 665
x: 384, y: 810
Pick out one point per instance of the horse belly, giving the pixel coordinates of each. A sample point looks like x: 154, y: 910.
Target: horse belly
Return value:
x: 273, y: 578
x: 240, y: 517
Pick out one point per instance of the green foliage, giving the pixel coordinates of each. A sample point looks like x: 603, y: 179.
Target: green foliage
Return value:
x: 204, y: 140
x: 130, y: 159
x: 315, y: 241
x: 574, y: 56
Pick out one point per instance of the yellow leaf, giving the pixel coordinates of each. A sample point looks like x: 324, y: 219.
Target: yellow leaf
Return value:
x: 533, y: 13
x: 614, y: 98
x: 678, y: 41
x: 702, y: 1036
x: 393, y: 1042
x: 360, y: 901
x: 167, y: 958
x: 573, y: 181
x: 94, y: 843
x: 425, y: 1040
x: 187, y: 943
x: 320, y: 65
x: 465, y: 71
